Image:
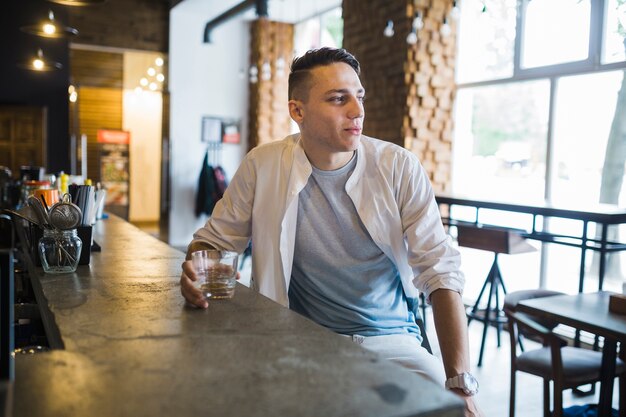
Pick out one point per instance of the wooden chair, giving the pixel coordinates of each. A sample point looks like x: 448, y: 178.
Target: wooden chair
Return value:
x: 567, y: 367
x: 512, y: 298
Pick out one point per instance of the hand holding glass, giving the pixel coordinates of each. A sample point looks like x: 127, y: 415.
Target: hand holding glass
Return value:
x: 216, y: 271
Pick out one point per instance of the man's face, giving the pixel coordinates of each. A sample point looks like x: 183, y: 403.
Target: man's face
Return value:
x: 331, y: 118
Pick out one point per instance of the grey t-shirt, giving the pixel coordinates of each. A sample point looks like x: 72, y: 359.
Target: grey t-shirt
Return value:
x: 341, y: 279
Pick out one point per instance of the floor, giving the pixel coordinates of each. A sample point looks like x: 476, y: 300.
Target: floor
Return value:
x: 494, y: 375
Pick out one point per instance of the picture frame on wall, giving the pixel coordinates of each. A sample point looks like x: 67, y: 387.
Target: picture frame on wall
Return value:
x: 231, y: 132
x: 211, y: 129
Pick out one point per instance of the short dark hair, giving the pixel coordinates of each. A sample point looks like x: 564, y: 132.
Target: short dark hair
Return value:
x: 301, y: 66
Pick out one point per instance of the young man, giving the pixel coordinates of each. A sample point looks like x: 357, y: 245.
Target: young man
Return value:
x: 345, y: 228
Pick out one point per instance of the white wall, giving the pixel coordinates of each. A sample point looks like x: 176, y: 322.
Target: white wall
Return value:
x: 205, y: 80
x: 142, y: 117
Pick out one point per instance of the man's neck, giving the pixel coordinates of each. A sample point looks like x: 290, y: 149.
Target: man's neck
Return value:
x: 330, y: 162
x: 326, y: 161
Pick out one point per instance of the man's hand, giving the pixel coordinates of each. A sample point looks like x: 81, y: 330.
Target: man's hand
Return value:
x: 471, y: 408
x: 192, y: 294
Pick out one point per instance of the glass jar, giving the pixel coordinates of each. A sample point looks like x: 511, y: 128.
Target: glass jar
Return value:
x: 59, y: 250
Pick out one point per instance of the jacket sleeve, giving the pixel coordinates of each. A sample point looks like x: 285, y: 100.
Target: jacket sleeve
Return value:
x: 229, y: 227
x: 434, y: 260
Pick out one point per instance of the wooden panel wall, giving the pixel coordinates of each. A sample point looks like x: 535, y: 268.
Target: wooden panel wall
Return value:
x: 129, y: 24
x: 98, y: 108
x: 21, y: 137
x: 96, y: 68
x: 98, y: 79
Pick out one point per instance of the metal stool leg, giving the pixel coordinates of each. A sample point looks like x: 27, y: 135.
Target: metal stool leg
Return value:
x: 492, y: 314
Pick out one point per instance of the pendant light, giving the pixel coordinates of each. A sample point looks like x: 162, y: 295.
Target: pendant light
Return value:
x: 39, y: 63
x: 389, y: 31
x: 50, y: 29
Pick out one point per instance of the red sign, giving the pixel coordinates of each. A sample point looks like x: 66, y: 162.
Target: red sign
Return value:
x: 114, y: 136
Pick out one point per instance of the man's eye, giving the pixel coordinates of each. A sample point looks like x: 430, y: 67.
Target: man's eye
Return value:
x: 361, y: 99
x: 339, y: 99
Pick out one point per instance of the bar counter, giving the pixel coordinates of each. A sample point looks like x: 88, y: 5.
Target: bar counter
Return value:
x: 128, y: 345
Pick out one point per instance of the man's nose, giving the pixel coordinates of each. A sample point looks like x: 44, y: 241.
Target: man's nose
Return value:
x: 356, y: 109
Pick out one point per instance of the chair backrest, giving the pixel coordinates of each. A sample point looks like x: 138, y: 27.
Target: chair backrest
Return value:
x: 519, y: 322
x: 513, y: 298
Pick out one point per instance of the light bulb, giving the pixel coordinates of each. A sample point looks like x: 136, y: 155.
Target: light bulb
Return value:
x: 280, y: 66
x: 254, y: 72
x: 143, y: 81
x: 71, y: 89
x: 38, y: 64
x: 49, y: 29
x: 153, y: 86
x: 418, y: 23
x: 455, y: 12
x: 411, y: 38
x: 160, y: 78
x: 388, y: 32
x: 445, y: 28
x: 159, y: 62
x: 151, y: 71
x: 74, y: 97
x: 266, y: 71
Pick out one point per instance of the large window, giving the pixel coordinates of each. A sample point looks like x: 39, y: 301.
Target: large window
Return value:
x: 539, y: 110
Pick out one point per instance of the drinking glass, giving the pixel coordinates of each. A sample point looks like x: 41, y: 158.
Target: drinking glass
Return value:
x: 216, y: 271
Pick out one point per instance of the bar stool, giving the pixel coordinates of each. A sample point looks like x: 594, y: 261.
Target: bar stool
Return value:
x: 497, y: 240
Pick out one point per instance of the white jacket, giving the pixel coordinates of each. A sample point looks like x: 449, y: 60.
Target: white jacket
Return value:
x: 391, y: 193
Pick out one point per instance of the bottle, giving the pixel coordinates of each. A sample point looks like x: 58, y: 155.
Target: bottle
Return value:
x: 59, y: 251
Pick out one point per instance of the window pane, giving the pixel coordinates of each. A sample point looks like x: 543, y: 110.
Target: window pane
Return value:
x: 555, y: 32
x: 614, y: 32
x: 585, y: 109
x: 332, y: 28
x: 500, y: 141
x: 486, y: 40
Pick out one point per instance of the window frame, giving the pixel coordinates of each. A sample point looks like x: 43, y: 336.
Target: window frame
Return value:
x: 592, y: 65
x: 552, y: 73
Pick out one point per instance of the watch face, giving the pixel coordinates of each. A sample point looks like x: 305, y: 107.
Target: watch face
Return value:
x: 470, y: 384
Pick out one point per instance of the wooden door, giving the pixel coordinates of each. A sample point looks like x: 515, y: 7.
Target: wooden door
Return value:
x: 22, y: 137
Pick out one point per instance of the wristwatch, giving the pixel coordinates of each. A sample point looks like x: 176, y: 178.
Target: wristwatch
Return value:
x: 465, y: 382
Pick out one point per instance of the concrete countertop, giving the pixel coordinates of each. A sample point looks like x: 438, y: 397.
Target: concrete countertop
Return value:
x: 133, y: 348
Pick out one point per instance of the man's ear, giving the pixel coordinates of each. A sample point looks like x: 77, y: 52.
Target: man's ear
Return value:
x: 296, y: 111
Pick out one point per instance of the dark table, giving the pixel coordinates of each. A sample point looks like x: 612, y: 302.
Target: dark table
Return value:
x: 602, y: 215
x: 588, y: 312
x: 127, y: 345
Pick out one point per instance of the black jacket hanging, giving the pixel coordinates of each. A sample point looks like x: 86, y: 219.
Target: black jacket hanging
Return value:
x: 207, y: 194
